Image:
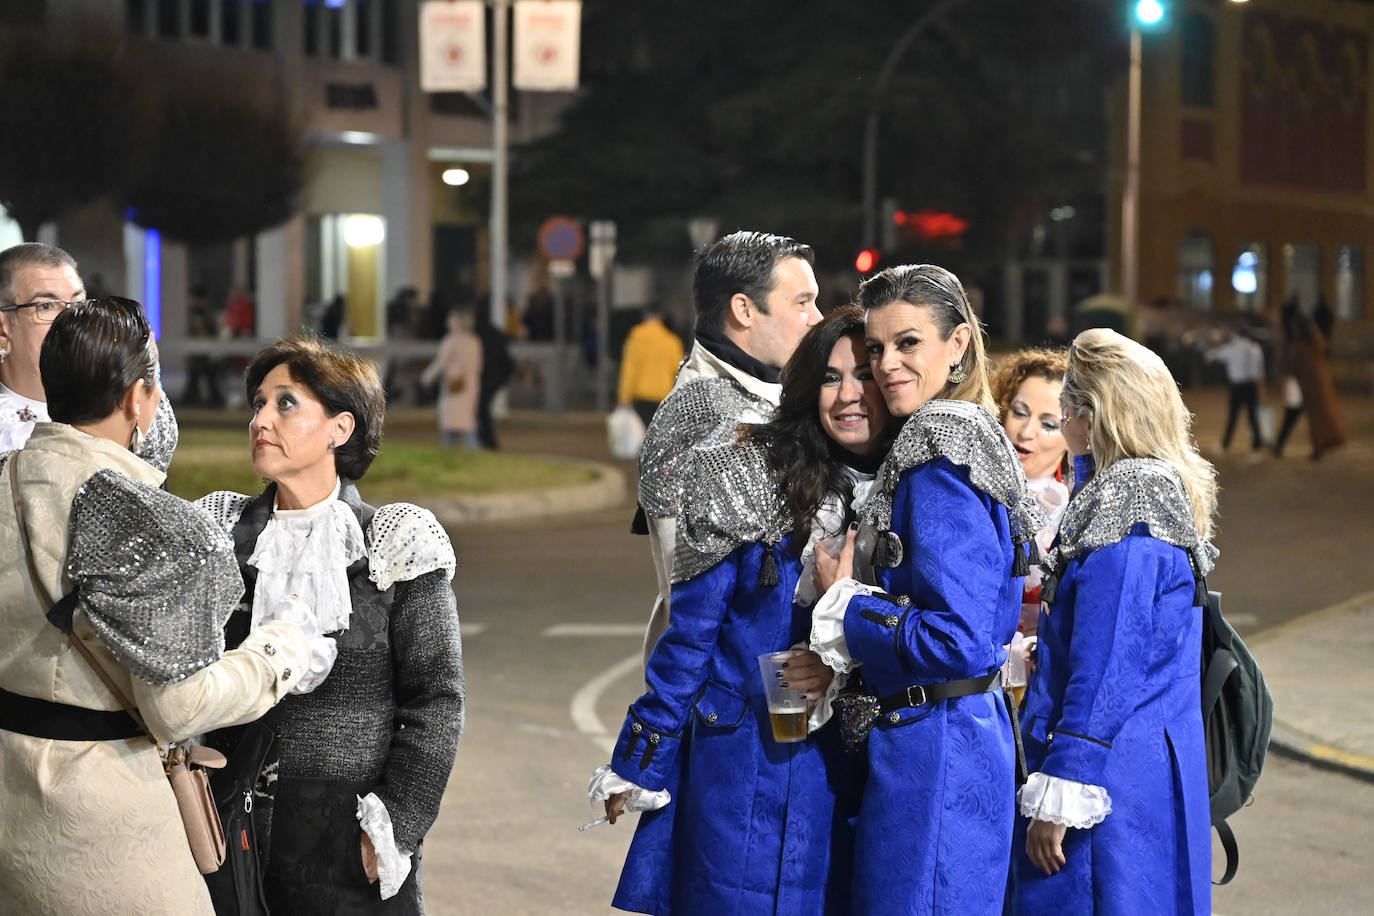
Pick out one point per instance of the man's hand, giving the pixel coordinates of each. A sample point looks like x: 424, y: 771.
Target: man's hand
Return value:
x: 615, y: 805
x: 1045, y: 845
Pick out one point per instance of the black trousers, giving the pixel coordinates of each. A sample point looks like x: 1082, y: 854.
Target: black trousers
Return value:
x: 1243, y: 394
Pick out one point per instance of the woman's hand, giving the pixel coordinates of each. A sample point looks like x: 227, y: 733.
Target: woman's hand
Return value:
x: 615, y: 805
x: 1045, y: 845
x: 806, y: 672
x: 830, y: 570
x: 369, y: 858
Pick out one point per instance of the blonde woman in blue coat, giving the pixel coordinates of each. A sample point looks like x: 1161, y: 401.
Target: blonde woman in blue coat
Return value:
x: 1115, y: 814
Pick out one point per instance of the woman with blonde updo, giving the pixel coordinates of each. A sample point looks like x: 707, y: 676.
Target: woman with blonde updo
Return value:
x: 1115, y: 813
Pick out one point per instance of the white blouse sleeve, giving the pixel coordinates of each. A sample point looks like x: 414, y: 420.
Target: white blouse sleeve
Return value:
x: 827, y: 623
x: 606, y: 782
x: 393, y: 865
x: 1063, y: 801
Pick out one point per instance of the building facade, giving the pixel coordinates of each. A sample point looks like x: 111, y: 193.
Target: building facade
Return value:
x: 376, y: 213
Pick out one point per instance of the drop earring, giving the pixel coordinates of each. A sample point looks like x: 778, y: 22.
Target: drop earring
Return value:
x: 957, y: 374
x: 136, y: 439
x: 3, y: 354
x: 331, y: 445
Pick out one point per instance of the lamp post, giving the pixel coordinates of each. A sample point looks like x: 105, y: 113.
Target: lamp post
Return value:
x: 870, y: 162
x: 1130, y: 194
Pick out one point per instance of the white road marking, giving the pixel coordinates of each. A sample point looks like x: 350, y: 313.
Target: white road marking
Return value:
x: 594, y: 629
x: 471, y: 629
x: 582, y: 708
x: 1242, y: 620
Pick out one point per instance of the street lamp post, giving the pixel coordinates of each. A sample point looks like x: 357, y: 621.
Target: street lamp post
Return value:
x: 875, y: 98
x: 1130, y: 194
x: 500, y: 104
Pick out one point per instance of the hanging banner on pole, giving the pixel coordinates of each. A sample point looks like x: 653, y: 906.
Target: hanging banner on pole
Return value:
x: 453, y: 46
x: 548, y: 38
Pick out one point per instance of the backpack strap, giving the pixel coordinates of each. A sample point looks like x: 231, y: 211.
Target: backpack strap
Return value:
x: 1228, y: 844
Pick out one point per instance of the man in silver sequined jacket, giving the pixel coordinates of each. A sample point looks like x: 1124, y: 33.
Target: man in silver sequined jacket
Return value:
x: 755, y: 298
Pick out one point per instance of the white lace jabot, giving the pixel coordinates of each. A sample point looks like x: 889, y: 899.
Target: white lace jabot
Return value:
x: 306, y: 553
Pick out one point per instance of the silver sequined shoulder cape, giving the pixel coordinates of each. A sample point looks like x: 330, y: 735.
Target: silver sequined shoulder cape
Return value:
x: 701, y: 414
x: 1131, y: 491
x: 156, y: 576
x: 161, y: 441
x: 732, y: 499
x: 968, y: 436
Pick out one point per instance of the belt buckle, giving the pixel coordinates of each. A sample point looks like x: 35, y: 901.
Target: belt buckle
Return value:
x: 914, y: 691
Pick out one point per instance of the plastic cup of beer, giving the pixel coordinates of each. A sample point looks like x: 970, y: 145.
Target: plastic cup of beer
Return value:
x: 787, y: 708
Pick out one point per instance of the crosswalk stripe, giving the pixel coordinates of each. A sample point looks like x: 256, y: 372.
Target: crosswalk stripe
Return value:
x: 594, y: 629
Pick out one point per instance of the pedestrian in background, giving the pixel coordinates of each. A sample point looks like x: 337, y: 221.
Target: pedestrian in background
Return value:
x: 458, y: 369
x: 1115, y: 816
x: 1244, y: 362
x: 202, y: 369
x: 1306, y: 354
x: 648, y: 364
x: 497, y: 368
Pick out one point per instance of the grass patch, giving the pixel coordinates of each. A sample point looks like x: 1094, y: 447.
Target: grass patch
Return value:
x: 217, y: 459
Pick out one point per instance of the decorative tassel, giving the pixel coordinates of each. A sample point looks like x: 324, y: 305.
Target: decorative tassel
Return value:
x: 1036, y: 558
x: 1020, y: 562
x: 1200, y: 592
x: 1048, y: 588
x: 768, y: 569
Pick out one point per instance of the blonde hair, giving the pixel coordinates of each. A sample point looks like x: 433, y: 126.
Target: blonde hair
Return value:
x: 1137, y: 412
x: 1014, y: 369
x: 934, y: 288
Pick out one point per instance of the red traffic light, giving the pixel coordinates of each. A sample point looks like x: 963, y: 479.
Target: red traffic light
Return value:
x: 866, y: 261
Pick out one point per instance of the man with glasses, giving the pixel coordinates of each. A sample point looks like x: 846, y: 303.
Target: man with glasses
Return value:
x: 36, y: 283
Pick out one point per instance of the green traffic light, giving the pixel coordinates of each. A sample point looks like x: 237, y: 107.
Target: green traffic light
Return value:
x: 1149, y: 12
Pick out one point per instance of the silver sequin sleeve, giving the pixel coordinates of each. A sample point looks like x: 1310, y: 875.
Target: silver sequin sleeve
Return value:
x: 968, y: 436
x: 156, y: 576
x: 699, y: 415
x: 733, y: 499
x: 162, y: 437
x: 1130, y: 492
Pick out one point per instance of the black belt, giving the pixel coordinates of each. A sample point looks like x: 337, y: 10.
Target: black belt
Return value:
x: 61, y: 722
x: 919, y: 694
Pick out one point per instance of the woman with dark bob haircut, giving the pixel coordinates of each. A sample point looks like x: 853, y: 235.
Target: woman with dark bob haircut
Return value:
x: 743, y: 817
x: 144, y: 581
x: 361, y: 762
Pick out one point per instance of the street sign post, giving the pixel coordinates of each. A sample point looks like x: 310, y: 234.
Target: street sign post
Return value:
x: 600, y: 259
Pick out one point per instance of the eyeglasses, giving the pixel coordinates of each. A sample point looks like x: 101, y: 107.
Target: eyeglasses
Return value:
x: 43, y: 312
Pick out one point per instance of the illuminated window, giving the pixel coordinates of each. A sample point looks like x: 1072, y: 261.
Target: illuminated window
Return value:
x: 1196, y: 270
x: 1349, y: 282
x: 1250, y: 277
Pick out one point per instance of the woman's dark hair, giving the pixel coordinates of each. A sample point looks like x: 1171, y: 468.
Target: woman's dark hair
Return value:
x: 341, y: 381
x: 93, y: 352
x: 797, y: 444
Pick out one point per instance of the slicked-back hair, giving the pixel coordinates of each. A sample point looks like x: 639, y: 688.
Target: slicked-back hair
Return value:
x: 29, y: 254
x: 939, y: 291
x: 741, y: 262
x: 341, y: 381
x: 91, y: 355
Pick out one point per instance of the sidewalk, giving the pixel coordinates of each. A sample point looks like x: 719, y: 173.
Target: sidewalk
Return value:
x: 1318, y: 670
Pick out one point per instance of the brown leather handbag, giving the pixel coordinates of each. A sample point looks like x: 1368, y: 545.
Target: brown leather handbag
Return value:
x: 183, y: 763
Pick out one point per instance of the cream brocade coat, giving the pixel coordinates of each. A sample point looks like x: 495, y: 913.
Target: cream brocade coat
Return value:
x: 91, y: 827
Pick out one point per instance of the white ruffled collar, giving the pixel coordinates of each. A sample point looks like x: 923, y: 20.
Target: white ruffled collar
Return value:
x: 306, y: 553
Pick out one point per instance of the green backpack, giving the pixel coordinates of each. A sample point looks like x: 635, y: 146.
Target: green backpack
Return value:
x: 1237, y: 716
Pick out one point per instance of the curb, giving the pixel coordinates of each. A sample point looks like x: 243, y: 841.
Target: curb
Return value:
x: 1294, y: 743
x: 605, y: 492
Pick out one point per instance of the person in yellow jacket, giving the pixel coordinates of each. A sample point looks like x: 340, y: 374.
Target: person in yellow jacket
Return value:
x: 649, y: 364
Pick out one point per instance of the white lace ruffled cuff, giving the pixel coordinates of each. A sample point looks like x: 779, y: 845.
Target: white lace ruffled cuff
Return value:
x: 827, y: 624
x: 323, y: 649
x: 393, y: 865
x: 1063, y: 801
x: 824, y: 708
x: 606, y: 782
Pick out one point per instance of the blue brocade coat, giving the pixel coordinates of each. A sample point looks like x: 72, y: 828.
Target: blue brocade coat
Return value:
x: 934, y: 829
x: 1115, y: 702
x: 754, y: 826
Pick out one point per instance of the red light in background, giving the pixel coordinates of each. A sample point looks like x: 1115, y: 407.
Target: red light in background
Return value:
x: 899, y: 217
x: 867, y: 260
